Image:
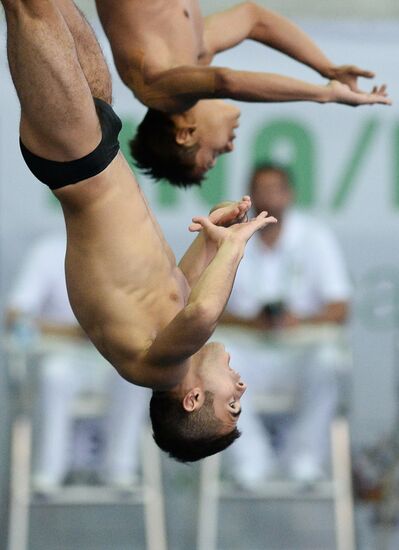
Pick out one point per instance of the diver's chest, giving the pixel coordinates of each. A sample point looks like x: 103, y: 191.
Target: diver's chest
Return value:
x: 194, y: 23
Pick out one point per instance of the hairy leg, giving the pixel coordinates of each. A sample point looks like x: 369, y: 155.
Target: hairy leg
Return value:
x: 58, y: 119
x: 88, y: 50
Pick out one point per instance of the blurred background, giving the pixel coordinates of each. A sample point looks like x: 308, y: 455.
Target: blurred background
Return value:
x: 345, y: 174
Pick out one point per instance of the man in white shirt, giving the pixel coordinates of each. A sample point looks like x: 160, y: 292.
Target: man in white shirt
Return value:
x: 292, y: 275
x: 39, y: 301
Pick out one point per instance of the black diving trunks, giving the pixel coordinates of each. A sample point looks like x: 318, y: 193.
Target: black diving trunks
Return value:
x: 57, y: 174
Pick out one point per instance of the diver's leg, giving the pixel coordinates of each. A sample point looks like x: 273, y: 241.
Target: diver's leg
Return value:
x: 88, y: 49
x: 58, y: 119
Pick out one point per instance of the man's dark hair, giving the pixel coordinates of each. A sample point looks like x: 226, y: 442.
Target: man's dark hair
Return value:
x: 267, y: 166
x: 187, y: 436
x: 157, y: 154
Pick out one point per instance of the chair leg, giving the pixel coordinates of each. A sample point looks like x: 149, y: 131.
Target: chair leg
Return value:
x: 18, y: 527
x: 153, y: 495
x: 209, y: 504
x: 342, y: 477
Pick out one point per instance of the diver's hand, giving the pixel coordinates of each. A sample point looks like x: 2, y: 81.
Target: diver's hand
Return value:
x: 341, y: 93
x: 238, y: 233
x: 227, y: 213
x: 348, y: 74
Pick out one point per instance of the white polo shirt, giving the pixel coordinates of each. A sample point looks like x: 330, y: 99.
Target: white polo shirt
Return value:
x: 40, y: 288
x: 305, y: 270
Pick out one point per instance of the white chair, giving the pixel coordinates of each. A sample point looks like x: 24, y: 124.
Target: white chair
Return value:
x: 338, y: 489
x: 148, y: 493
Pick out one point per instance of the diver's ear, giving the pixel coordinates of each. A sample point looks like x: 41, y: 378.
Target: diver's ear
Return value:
x: 185, y: 135
x: 194, y: 399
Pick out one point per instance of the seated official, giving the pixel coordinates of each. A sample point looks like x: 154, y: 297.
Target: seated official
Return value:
x: 293, y: 275
x: 39, y: 303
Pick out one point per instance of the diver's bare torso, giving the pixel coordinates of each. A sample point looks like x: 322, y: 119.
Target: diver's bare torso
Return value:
x: 122, y: 278
x: 153, y: 36
x: 163, y: 50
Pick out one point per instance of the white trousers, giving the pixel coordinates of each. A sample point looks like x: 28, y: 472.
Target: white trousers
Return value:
x: 63, y: 376
x: 309, y: 376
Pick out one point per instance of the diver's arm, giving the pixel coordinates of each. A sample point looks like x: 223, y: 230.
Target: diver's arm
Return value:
x: 247, y: 20
x: 180, y: 88
x: 202, y: 251
x: 195, y: 324
x: 269, y: 87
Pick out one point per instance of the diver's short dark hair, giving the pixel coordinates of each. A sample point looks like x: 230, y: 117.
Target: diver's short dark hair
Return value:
x: 187, y: 436
x: 156, y: 152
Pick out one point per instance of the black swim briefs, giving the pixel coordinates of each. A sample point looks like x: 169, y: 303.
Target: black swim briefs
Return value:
x: 57, y: 174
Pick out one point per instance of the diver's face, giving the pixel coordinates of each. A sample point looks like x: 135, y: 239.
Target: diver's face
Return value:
x: 216, y: 122
x: 225, y: 384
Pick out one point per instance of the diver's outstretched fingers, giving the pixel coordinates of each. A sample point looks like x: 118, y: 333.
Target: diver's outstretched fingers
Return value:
x: 200, y: 222
x: 263, y: 219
